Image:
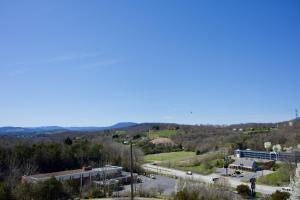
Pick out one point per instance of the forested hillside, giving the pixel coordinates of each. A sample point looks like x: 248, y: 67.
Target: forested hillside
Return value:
x: 72, y: 150
x: 204, y: 138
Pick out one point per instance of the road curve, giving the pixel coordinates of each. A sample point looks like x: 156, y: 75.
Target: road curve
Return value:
x: 264, y: 189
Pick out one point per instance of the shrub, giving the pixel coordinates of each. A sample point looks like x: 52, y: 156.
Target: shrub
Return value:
x: 96, y: 193
x: 185, y: 194
x: 275, y: 167
x: 280, y: 195
x: 72, y: 186
x: 4, y: 193
x: 189, y: 190
x: 243, y: 190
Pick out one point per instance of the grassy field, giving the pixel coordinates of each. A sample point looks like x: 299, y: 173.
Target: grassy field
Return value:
x: 202, y: 164
x: 162, y: 133
x: 188, y: 161
x: 280, y: 178
x: 172, y: 156
x: 275, y: 179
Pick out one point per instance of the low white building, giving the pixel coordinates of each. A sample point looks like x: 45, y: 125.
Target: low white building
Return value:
x: 84, y: 174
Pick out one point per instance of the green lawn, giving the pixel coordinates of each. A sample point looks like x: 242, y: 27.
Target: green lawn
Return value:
x: 172, y: 156
x: 188, y: 161
x: 161, y: 133
x: 279, y: 178
x: 275, y: 179
x: 167, y: 133
x: 202, y: 164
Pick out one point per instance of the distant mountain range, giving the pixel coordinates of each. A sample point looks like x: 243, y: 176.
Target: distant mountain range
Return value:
x: 8, y: 130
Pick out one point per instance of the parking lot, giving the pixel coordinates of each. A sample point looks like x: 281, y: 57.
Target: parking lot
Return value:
x: 245, y: 176
x: 166, y: 184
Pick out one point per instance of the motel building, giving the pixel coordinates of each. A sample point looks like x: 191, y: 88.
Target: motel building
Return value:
x: 264, y: 155
x: 244, y: 164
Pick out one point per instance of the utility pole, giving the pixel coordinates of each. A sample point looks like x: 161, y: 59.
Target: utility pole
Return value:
x: 253, y: 185
x: 131, y: 170
x: 226, y: 161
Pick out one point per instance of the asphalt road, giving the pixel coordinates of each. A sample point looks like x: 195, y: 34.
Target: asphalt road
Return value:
x: 206, y: 178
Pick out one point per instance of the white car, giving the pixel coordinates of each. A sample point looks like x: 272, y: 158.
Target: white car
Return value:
x: 189, y: 173
x: 152, y: 176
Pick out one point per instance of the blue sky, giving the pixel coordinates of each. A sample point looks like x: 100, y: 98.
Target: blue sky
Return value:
x: 95, y: 63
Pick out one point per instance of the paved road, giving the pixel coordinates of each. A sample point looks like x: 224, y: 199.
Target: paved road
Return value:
x: 206, y: 178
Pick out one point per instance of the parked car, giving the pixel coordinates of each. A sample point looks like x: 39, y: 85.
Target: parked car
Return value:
x: 237, y: 172
x: 139, y: 180
x: 189, y: 173
x: 152, y: 176
x: 215, y: 179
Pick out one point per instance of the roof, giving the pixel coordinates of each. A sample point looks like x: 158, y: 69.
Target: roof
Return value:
x: 73, y: 172
x: 243, y: 163
x: 61, y: 173
x: 254, y: 151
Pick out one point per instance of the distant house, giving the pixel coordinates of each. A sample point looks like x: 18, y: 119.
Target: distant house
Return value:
x: 244, y: 164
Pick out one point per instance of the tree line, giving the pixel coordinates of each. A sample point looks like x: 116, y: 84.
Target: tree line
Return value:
x: 25, y: 159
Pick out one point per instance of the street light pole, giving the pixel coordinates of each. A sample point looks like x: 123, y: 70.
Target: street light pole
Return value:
x: 131, y: 170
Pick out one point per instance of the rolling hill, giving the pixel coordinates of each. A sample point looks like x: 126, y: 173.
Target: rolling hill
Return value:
x: 9, y: 130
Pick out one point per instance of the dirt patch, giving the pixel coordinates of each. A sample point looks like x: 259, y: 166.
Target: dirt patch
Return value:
x: 163, y: 141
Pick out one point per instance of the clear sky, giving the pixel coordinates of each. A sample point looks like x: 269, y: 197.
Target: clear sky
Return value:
x: 95, y: 63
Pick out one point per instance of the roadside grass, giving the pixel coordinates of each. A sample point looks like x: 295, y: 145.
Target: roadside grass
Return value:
x: 279, y: 178
x: 171, y: 156
x: 258, y: 195
x: 200, y: 169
